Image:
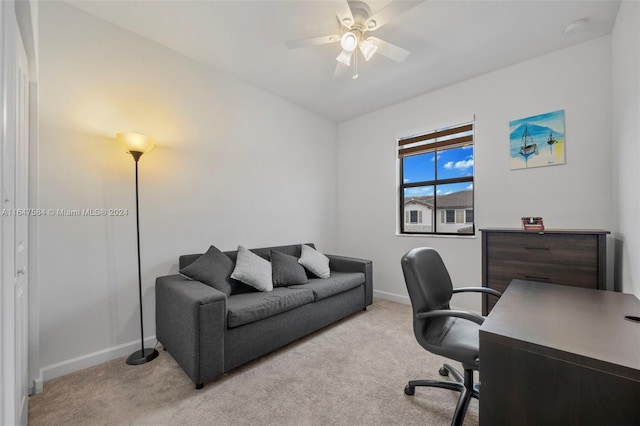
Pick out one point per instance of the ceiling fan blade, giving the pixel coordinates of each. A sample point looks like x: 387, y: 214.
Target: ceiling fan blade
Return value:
x: 340, y: 71
x: 390, y: 12
x: 345, y: 16
x: 294, y: 44
x: 389, y: 50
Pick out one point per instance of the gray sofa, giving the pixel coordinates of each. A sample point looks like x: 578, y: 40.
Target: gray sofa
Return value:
x: 208, y: 333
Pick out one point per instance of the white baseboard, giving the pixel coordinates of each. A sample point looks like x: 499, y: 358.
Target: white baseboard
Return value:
x: 37, y: 385
x: 89, y: 360
x: 392, y: 297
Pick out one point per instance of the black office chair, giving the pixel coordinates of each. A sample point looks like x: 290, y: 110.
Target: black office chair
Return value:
x: 441, y: 330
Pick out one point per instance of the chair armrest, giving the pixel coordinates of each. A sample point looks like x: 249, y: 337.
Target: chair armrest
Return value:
x: 486, y: 290
x: 346, y: 263
x: 352, y: 264
x: 451, y: 313
x: 190, y: 324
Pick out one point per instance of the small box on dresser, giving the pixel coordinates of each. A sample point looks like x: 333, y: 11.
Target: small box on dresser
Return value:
x: 574, y: 257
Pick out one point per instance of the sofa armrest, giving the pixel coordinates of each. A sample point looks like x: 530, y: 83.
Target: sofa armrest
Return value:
x: 352, y: 264
x: 190, y: 324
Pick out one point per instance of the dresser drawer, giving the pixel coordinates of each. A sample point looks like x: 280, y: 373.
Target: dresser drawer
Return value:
x: 502, y: 272
x: 543, y: 248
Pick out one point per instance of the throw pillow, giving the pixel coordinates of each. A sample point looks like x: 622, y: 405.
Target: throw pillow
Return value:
x: 253, y: 270
x: 286, y: 270
x: 212, y: 268
x: 314, y: 261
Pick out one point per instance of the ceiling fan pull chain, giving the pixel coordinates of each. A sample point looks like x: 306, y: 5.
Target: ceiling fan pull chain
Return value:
x: 355, y: 65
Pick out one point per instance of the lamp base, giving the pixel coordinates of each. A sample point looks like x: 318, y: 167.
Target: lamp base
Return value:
x: 142, y: 357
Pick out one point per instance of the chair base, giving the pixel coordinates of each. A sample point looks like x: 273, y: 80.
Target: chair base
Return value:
x: 464, y: 385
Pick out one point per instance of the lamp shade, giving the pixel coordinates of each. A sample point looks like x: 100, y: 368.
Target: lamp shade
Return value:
x: 135, y: 142
x: 349, y: 41
x: 345, y: 57
x: 368, y: 49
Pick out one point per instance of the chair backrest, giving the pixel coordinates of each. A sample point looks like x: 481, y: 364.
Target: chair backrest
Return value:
x: 429, y: 286
x: 427, y: 280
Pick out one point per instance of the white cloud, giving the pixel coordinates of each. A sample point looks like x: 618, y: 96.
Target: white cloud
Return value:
x: 460, y: 165
x: 469, y: 187
x: 418, y: 191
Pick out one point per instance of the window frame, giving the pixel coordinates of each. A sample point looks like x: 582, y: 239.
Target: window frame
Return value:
x: 467, y: 130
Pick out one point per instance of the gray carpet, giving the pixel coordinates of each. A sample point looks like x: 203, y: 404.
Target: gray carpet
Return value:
x: 351, y: 373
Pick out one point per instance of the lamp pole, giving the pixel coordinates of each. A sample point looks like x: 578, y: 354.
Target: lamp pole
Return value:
x: 131, y: 142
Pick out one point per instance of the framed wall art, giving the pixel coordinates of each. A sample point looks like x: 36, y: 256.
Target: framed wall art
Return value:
x: 537, y: 141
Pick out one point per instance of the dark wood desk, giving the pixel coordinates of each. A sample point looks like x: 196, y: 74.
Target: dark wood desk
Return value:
x: 559, y: 355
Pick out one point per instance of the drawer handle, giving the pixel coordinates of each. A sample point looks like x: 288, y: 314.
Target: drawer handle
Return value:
x: 537, y: 277
x: 536, y: 248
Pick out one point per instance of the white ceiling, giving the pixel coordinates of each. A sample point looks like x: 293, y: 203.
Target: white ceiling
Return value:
x: 450, y: 41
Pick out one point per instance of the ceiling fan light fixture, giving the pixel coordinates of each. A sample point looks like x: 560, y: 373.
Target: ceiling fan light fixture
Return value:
x: 368, y: 49
x: 345, y: 57
x: 349, y: 41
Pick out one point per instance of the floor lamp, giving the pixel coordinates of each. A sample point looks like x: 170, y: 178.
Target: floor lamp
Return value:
x: 137, y: 144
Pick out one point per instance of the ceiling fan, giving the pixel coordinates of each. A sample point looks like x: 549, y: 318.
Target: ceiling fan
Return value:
x: 355, y: 21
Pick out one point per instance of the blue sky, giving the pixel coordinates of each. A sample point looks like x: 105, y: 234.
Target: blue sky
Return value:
x: 454, y: 162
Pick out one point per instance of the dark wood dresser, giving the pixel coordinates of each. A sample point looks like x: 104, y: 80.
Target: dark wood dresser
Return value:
x: 573, y: 257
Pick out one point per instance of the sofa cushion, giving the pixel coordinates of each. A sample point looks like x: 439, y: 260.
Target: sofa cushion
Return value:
x: 253, y: 270
x: 213, y: 269
x: 339, y: 282
x: 249, y: 307
x: 264, y: 252
x: 286, y: 270
x: 314, y: 261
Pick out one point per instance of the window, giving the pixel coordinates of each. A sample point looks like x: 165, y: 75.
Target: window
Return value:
x: 469, y: 216
x: 415, y: 216
x: 450, y: 215
x: 436, y: 181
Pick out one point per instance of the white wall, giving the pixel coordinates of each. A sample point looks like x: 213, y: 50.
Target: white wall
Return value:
x: 232, y: 165
x: 626, y: 134
x: 574, y: 195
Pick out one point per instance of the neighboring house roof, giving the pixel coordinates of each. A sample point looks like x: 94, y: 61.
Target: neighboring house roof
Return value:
x: 460, y: 200
x: 425, y: 201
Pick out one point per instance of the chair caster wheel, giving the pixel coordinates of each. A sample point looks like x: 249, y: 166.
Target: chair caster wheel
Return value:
x: 443, y: 371
x: 408, y: 390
